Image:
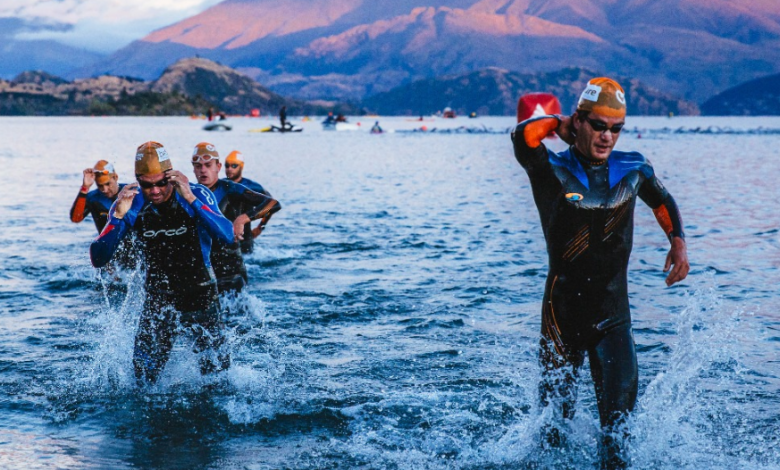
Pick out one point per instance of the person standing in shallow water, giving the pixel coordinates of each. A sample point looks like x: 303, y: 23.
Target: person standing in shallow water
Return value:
x: 234, y: 171
x: 175, y: 222
x: 239, y: 205
x: 586, y: 196
x: 97, y: 203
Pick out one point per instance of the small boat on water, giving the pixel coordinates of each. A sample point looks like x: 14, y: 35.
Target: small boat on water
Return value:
x: 272, y: 128
x: 221, y: 125
x: 339, y: 123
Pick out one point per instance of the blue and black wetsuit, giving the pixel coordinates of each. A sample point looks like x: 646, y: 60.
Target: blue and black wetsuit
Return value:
x: 97, y: 204
x: 248, y: 243
x: 587, y: 216
x: 234, y: 200
x: 175, y: 240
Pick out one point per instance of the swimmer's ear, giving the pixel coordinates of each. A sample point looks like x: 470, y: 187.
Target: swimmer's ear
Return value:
x: 575, y: 123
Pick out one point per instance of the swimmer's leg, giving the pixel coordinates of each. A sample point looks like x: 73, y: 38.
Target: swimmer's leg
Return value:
x: 153, y: 343
x: 613, y: 366
x: 207, y: 328
x: 558, y: 387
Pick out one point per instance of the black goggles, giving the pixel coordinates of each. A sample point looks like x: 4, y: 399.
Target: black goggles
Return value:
x: 601, y: 126
x: 160, y: 184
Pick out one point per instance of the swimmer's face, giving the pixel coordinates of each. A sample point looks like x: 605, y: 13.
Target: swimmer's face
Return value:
x: 207, y: 173
x: 596, y: 144
x: 233, y: 171
x: 155, y: 188
x: 109, y: 188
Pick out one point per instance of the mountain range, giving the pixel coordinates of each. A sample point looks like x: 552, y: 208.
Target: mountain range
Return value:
x: 495, y: 92
x: 350, y: 49
x: 193, y: 85
x: 759, y: 97
x: 189, y: 86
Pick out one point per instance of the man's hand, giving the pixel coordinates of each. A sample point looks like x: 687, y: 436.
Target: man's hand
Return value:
x: 181, y: 184
x: 89, y: 177
x: 678, y: 256
x: 238, y: 226
x: 124, y: 200
x: 565, y: 129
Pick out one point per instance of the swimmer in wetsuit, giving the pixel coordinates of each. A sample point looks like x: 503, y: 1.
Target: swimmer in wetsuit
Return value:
x: 97, y: 203
x: 585, y: 196
x: 175, y: 223
x: 234, y: 169
x: 240, y: 205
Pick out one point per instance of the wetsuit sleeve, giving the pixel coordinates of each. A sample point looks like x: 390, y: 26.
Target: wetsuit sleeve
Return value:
x: 209, y: 216
x: 665, y: 209
x: 103, y: 247
x: 527, y: 139
x: 260, y: 205
x: 79, y: 208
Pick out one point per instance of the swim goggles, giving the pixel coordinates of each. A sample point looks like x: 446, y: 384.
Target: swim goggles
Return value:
x: 101, y: 172
x: 203, y: 158
x: 232, y: 165
x: 601, y: 126
x: 160, y: 184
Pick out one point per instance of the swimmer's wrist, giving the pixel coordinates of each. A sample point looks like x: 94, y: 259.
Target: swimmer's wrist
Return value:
x: 84, y: 189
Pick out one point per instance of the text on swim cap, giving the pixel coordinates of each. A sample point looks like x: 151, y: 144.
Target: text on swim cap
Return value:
x: 162, y: 154
x: 591, y: 93
x: 208, y: 147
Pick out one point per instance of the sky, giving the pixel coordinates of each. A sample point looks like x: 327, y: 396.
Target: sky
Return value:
x: 97, y: 25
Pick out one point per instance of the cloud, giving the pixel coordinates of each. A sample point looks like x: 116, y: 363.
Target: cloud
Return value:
x: 100, y: 25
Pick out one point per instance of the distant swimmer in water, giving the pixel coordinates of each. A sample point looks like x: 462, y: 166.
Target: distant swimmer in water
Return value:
x: 376, y: 129
x: 98, y: 201
x: 586, y: 196
x: 240, y: 205
x: 175, y: 222
x: 234, y: 169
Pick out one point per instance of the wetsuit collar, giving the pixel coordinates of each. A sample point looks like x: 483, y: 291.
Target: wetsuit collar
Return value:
x: 585, y: 160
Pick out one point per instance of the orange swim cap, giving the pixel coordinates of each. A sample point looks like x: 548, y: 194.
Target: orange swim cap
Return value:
x: 151, y: 158
x: 235, y: 157
x: 603, y: 96
x: 103, y: 171
x: 204, y: 152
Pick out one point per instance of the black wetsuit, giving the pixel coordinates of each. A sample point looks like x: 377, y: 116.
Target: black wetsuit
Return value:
x: 248, y: 243
x: 587, y: 216
x: 97, y: 204
x: 175, y: 240
x: 234, y: 200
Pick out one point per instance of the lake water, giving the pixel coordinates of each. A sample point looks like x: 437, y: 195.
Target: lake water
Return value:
x: 393, y: 314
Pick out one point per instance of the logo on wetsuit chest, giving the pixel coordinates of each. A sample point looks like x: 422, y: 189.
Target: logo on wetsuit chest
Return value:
x: 168, y: 233
x: 574, y: 197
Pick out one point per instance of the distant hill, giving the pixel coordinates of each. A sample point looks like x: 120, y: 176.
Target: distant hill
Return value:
x: 227, y: 89
x: 495, y: 91
x: 760, y: 97
x: 190, y: 86
x: 350, y: 49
